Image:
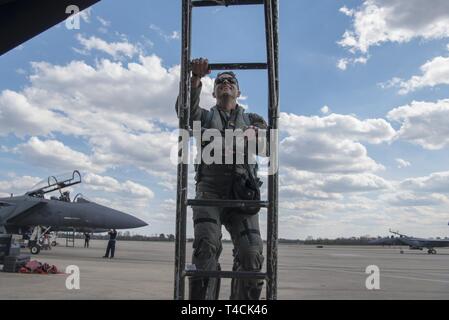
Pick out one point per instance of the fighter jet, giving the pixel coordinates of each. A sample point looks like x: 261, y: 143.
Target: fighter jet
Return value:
x: 18, y: 214
x: 412, y: 242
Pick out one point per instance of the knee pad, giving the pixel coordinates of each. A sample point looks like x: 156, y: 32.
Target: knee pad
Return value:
x: 250, y: 259
x: 204, y: 249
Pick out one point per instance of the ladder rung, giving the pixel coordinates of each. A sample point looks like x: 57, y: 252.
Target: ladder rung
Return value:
x: 226, y: 274
x: 227, y: 203
x: 237, y: 66
x: 212, y: 3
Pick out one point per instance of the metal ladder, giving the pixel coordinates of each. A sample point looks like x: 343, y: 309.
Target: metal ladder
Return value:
x: 272, y: 44
x: 70, y: 238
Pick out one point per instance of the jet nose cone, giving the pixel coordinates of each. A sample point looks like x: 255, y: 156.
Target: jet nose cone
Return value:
x: 136, y: 222
x: 114, y: 219
x: 123, y: 220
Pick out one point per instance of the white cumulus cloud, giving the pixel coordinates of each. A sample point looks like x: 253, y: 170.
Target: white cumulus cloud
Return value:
x: 110, y: 184
x: 379, y: 21
x: 114, y: 49
x: 325, y: 110
x: 340, y: 127
x: 437, y: 182
x: 403, y: 163
x: 54, y: 154
x: 434, y: 73
x: 17, y: 185
x: 423, y: 123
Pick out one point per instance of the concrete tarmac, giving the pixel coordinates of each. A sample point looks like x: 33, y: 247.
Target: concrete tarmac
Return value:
x: 145, y: 270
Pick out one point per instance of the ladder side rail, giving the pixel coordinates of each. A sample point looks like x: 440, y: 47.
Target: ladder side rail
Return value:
x: 275, y: 8
x: 273, y: 115
x: 275, y: 124
x: 183, y: 113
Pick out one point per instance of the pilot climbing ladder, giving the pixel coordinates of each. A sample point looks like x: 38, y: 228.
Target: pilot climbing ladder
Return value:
x: 272, y: 44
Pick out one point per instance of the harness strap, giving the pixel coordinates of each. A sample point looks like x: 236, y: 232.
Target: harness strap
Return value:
x: 204, y: 220
x: 249, y: 231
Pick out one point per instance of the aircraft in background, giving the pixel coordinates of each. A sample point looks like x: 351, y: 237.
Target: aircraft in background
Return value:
x: 412, y: 242
x: 22, y: 213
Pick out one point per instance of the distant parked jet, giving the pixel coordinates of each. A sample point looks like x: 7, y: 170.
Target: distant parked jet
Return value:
x: 412, y: 242
x: 19, y: 214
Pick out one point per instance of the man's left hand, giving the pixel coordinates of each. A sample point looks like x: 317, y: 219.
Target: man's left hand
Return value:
x: 251, y: 132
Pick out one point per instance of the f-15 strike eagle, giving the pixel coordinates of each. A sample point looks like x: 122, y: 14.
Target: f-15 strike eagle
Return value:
x: 412, y: 242
x: 19, y: 214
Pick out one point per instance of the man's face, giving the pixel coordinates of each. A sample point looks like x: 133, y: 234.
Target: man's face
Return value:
x: 226, y: 88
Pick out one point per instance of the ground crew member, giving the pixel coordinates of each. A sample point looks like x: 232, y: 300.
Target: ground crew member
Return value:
x: 111, y: 244
x: 214, y: 182
x: 86, y: 239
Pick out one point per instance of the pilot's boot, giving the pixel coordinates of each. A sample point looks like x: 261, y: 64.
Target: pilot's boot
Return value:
x: 243, y: 289
x: 197, y: 288
x: 204, y: 288
x: 204, y: 258
x: 206, y: 251
x: 247, y: 257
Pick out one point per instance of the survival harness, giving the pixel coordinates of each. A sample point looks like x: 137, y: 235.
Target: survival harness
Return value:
x: 253, y: 168
x: 241, y: 188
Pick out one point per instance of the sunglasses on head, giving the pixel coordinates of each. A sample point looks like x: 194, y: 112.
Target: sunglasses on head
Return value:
x: 229, y: 80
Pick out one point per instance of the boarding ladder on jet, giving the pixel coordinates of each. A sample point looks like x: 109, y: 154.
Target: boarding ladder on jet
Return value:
x: 70, y: 238
x: 272, y: 44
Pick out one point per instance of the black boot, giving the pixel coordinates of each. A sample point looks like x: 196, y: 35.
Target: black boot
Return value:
x: 197, y: 288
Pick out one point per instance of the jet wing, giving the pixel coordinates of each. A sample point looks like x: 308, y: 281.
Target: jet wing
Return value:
x: 10, y: 210
x: 21, y: 20
x: 6, y: 208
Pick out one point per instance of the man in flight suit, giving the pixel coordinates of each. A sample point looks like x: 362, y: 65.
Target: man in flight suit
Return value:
x: 214, y: 181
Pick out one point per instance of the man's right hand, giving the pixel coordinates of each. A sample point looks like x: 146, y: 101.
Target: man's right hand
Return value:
x: 200, y: 68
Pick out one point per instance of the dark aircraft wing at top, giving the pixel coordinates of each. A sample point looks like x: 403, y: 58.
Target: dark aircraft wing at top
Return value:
x: 21, y: 20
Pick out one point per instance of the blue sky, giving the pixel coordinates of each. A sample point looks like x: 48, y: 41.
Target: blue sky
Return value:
x: 101, y: 98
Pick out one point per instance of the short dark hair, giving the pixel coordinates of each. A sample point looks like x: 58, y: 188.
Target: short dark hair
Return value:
x: 232, y: 74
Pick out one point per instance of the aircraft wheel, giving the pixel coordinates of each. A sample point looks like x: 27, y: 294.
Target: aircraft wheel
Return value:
x: 434, y: 251
x: 54, y: 243
x: 35, y: 249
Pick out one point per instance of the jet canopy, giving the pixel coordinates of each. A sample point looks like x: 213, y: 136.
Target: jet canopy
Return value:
x: 55, y: 183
